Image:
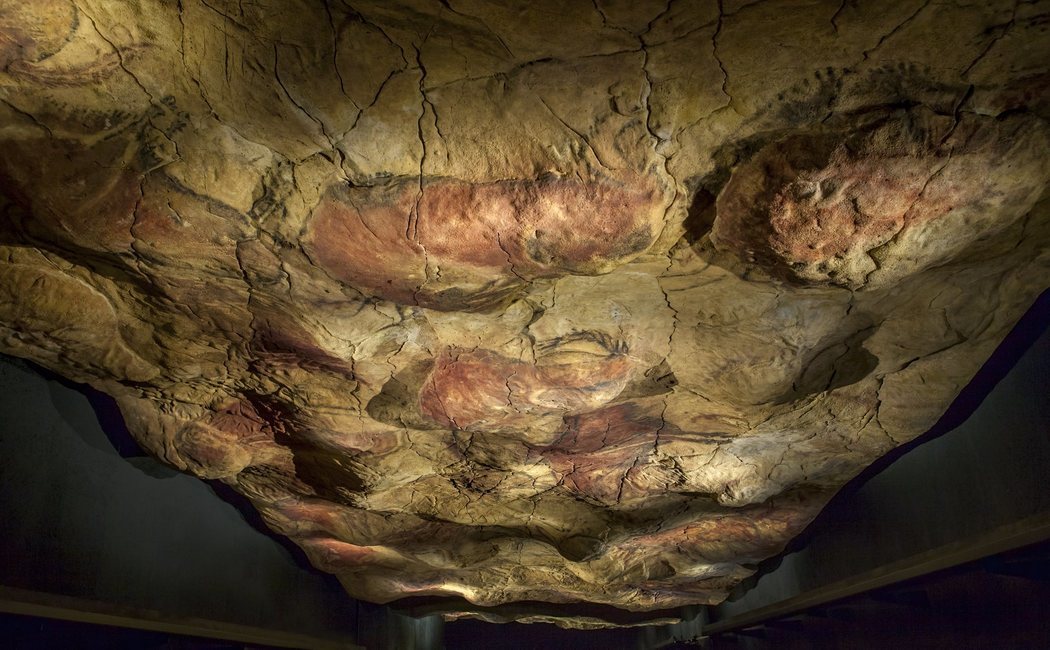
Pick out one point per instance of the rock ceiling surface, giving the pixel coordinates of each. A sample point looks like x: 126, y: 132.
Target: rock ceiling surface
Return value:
x: 552, y: 302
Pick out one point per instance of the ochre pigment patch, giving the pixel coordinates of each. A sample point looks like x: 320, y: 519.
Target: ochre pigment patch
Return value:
x: 855, y: 208
x: 483, y: 391
x: 600, y: 453
x: 443, y: 243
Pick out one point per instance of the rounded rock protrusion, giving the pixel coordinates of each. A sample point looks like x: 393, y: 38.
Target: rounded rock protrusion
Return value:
x: 452, y: 245
x: 869, y: 207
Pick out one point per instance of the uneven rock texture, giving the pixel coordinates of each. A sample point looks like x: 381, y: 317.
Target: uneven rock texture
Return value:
x: 524, y: 302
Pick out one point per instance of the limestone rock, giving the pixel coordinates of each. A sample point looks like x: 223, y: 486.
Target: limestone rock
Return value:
x: 568, y: 303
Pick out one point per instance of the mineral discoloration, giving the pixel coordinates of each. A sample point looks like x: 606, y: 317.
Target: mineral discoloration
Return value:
x: 872, y: 206
x: 481, y: 306
x: 483, y: 391
x: 601, y: 455
x: 450, y: 245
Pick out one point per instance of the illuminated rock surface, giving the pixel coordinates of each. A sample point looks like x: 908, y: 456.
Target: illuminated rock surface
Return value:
x: 558, y: 302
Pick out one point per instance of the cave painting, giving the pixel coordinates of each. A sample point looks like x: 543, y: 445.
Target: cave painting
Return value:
x: 559, y: 303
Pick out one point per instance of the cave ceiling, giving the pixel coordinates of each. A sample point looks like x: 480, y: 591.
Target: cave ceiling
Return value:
x: 576, y: 303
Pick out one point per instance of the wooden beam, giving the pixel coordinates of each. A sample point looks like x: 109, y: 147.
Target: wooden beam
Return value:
x: 35, y: 603
x: 998, y: 540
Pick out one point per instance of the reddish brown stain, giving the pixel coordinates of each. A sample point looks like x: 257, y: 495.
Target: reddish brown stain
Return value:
x: 333, y: 555
x: 606, y: 454
x: 739, y: 535
x: 867, y: 202
x: 397, y: 243
x: 482, y: 390
x: 74, y: 194
x: 600, y: 451
x: 241, y: 420
x: 312, y: 517
x: 368, y: 248
x: 174, y: 227
x: 610, y: 427
x: 804, y: 206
